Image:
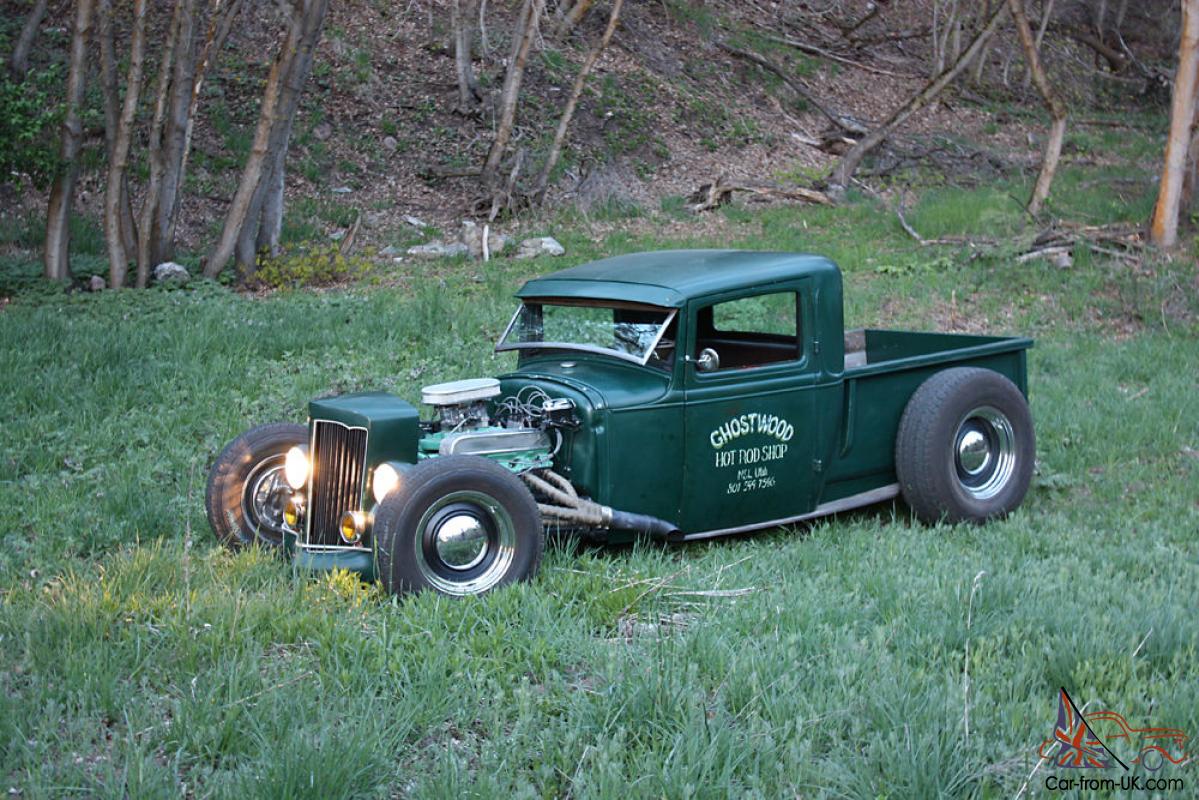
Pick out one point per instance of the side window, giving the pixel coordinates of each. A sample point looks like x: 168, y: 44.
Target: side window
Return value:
x: 748, y: 332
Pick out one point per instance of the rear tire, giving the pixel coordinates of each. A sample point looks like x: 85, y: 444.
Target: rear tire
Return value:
x: 246, y: 489
x: 965, y: 448
x: 459, y: 525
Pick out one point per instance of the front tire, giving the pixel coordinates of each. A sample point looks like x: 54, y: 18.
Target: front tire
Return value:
x: 459, y: 525
x: 246, y: 489
x: 965, y: 448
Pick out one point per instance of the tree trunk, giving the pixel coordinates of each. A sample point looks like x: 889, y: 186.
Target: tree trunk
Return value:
x: 1163, y: 227
x: 551, y: 160
x: 1046, y: 14
x: 522, y: 41
x: 18, y: 62
x: 1191, y: 174
x: 239, y: 207
x: 280, y: 103
x: 572, y: 18
x: 112, y: 116
x: 264, y: 230
x: 462, y: 15
x: 270, y: 228
x: 118, y: 255
x: 160, y: 239
x: 980, y: 63
x: 62, y: 191
x: 154, y: 151
x: 1057, y: 109
x: 219, y: 25
x: 839, y: 181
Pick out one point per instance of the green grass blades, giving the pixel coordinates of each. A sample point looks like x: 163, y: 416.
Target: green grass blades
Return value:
x: 864, y: 656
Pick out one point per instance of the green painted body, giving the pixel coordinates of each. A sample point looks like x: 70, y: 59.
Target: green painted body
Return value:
x: 728, y: 449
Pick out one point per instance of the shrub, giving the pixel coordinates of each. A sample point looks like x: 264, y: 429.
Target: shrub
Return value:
x: 29, y: 115
x: 322, y: 266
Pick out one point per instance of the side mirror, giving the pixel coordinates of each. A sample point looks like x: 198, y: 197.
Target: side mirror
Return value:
x: 708, y: 360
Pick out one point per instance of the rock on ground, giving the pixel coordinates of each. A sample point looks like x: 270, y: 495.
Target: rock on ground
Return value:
x: 438, y: 250
x: 472, y: 237
x: 540, y: 246
x: 170, y: 272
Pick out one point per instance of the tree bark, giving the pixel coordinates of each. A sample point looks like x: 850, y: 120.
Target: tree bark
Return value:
x: 118, y: 256
x: 154, y: 152
x: 280, y: 103
x: 219, y: 25
x: 239, y: 207
x: 18, y: 62
x: 264, y: 230
x: 1057, y: 109
x: 551, y: 160
x: 1190, y: 174
x: 56, y: 256
x: 839, y: 181
x: 572, y: 18
x: 1163, y: 227
x: 522, y: 41
x: 112, y: 116
x: 462, y: 14
x: 160, y: 236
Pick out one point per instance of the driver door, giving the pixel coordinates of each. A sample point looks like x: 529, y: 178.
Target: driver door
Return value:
x: 748, y: 411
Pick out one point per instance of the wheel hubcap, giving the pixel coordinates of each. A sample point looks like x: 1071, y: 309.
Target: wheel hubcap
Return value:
x: 461, y: 541
x: 984, y: 452
x: 465, y: 543
x: 265, y: 498
x: 973, y: 453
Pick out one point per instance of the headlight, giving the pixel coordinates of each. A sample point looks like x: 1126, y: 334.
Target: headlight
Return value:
x: 295, y: 467
x: 294, y: 511
x: 387, y: 477
x: 353, y: 525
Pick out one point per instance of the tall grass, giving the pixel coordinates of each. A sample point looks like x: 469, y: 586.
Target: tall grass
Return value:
x: 137, y: 659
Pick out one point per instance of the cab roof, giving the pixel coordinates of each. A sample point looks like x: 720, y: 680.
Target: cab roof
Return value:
x: 670, y: 277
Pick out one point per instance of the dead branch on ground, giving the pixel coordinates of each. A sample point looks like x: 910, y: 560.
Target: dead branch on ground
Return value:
x: 713, y: 194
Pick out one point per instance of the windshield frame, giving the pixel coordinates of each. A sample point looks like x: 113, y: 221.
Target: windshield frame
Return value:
x: 671, y: 313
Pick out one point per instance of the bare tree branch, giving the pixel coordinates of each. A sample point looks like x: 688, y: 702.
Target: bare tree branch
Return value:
x: 1057, y: 109
x: 18, y: 62
x: 839, y: 181
x: 551, y: 160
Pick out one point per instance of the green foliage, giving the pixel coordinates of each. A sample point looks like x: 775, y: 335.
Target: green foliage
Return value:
x: 30, y: 113
x: 321, y: 266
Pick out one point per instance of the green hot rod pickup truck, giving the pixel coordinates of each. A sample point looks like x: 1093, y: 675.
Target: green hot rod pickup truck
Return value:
x: 682, y: 394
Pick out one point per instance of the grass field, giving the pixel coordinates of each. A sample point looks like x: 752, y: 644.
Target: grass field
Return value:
x: 864, y: 656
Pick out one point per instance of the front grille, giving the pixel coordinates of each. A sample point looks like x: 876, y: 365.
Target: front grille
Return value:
x: 338, y: 463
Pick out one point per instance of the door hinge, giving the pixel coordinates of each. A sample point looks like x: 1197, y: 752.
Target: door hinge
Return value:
x: 816, y: 346
x: 817, y: 465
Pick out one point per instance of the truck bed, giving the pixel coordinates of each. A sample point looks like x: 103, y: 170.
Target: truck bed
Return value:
x: 870, y: 351
x: 882, y: 370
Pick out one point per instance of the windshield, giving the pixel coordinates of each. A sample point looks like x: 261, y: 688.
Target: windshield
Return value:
x: 625, y: 330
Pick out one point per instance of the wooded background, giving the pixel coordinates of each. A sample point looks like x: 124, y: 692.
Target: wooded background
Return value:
x: 111, y: 96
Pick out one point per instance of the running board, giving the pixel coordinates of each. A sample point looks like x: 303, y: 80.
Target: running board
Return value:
x: 844, y: 504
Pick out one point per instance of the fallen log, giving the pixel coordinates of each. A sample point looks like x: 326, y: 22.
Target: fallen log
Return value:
x: 719, y: 192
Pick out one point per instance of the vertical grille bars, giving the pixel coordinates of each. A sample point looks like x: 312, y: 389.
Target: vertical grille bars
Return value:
x: 338, y: 464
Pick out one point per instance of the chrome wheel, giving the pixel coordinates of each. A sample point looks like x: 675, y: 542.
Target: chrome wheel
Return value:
x: 265, y: 498
x: 984, y: 452
x: 465, y: 543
